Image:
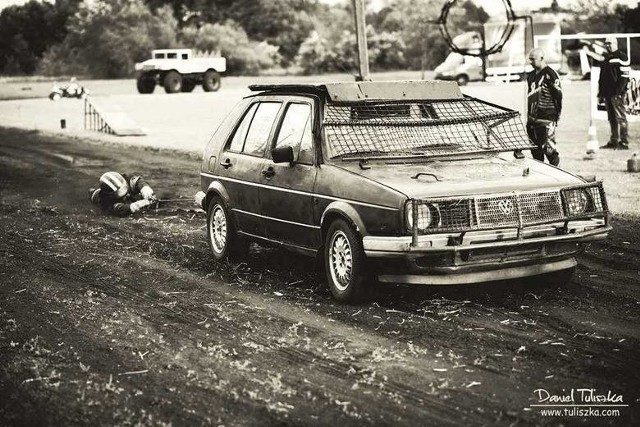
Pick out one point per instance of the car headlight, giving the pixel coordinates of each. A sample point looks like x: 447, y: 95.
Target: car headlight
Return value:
x: 578, y: 201
x: 428, y: 215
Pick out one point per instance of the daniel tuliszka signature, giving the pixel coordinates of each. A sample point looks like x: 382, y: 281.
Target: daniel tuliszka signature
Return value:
x: 578, y: 397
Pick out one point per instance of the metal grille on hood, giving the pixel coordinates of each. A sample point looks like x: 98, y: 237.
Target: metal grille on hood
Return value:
x: 511, y: 210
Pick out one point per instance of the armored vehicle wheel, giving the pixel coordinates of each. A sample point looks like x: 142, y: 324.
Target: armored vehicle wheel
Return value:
x: 172, y: 82
x: 146, y: 84
x: 221, y: 232
x: 344, y: 262
x: 211, y: 81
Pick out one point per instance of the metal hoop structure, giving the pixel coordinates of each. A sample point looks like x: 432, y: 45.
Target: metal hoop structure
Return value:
x: 486, y: 50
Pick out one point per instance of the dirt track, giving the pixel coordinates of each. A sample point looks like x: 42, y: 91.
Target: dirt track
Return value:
x: 124, y: 321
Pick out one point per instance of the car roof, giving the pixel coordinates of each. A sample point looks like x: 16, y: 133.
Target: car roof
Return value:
x: 427, y: 90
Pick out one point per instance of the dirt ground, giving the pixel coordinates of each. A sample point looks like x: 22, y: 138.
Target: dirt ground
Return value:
x: 110, y: 321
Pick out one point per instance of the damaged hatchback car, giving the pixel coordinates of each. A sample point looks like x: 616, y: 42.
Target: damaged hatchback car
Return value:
x: 400, y: 182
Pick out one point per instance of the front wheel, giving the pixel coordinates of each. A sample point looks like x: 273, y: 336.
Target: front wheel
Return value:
x: 145, y: 84
x: 172, y: 82
x: 344, y: 261
x: 221, y: 232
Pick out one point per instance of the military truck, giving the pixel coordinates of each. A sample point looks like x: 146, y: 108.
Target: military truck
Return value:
x: 177, y: 70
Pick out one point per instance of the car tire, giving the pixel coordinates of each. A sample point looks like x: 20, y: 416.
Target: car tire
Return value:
x: 172, y: 82
x: 345, y: 262
x: 462, y: 80
x: 222, y: 235
x: 188, y: 85
x: 146, y: 84
x: 211, y: 81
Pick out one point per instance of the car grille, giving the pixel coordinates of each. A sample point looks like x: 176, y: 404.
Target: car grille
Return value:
x: 528, y: 209
x: 510, y: 210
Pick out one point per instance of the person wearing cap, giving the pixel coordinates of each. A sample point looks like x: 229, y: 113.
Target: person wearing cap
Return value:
x: 544, y: 105
x: 122, y: 194
x: 612, y: 86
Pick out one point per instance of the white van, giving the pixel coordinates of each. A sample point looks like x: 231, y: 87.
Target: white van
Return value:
x: 461, y: 68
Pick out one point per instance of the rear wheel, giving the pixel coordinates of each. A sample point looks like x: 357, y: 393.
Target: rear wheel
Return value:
x: 146, y: 84
x: 172, y: 82
x: 211, y: 81
x: 221, y: 232
x: 344, y: 261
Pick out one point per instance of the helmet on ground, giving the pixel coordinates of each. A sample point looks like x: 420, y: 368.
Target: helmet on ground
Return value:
x: 114, y: 184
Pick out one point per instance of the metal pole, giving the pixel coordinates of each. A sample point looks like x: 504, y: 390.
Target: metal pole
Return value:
x: 361, y: 39
x: 484, y: 54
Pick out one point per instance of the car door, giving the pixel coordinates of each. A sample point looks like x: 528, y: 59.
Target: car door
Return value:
x: 242, y: 161
x: 287, y: 197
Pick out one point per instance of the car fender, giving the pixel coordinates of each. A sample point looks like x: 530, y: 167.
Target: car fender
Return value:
x: 216, y: 189
x: 345, y: 211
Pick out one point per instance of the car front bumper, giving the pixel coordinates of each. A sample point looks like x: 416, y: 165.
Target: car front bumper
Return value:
x: 481, y: 256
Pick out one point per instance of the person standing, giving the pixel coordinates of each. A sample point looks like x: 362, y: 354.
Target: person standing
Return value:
x: 544, y: 105
x: 612, y: 86
x: 122, y: 194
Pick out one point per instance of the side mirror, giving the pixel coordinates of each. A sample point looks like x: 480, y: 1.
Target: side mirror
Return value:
x: 282, y: 154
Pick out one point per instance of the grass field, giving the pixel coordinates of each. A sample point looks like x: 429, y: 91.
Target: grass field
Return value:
x: 186, y: 121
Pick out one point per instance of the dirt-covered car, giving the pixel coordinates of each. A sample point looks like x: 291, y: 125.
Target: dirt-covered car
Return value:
x: 403, y: 182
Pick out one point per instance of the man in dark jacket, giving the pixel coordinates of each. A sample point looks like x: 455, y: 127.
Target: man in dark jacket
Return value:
x: 612, y: 86
x: 122, y: 194
x: 544, y: 105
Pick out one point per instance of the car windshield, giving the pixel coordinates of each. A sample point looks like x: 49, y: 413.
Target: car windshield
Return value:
x: 421, y: 128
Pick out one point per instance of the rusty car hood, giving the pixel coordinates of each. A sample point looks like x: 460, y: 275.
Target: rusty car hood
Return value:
x: 450, y: 177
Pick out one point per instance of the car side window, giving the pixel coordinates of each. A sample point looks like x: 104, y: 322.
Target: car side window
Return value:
x: 295, y: 132
x: 241, y: 132
x: 260, y: 128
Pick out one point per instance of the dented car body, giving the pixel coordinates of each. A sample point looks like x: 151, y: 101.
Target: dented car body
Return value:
x: 403, y: 182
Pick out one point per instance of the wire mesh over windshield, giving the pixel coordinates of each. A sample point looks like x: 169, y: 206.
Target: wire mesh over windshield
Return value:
x: 422, y: 128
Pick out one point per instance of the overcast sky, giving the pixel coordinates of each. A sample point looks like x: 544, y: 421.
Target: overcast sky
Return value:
x: 491, y: 6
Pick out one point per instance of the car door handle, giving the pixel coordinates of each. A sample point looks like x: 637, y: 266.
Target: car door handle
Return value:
x: 268, y: 172
x: 226, y: 164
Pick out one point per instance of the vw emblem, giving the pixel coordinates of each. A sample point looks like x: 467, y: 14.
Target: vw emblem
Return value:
x: 505, y: 206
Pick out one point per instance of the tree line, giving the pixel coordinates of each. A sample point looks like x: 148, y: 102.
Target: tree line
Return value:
x: 105, y: 38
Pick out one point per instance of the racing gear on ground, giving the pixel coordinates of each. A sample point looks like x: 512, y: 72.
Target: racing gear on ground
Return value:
x: 140, y: 204
x: 117, y: 192
x: 147, y: 192
x: 114, y: 183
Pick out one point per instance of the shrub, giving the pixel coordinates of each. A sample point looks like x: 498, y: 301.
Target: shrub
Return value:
x: 244, y: 56
x: 106, y: 38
